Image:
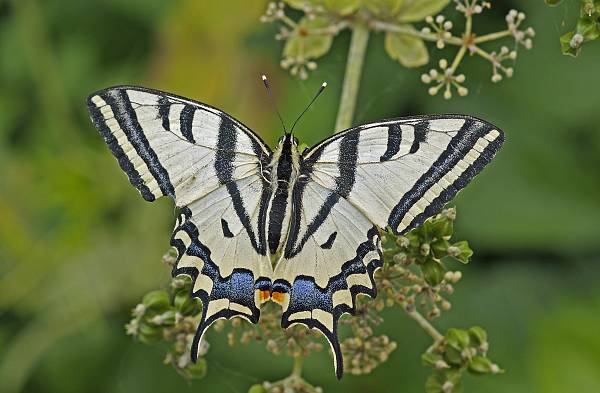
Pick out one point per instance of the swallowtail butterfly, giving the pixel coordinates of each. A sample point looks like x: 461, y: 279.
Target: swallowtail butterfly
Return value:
x: 318, y: 212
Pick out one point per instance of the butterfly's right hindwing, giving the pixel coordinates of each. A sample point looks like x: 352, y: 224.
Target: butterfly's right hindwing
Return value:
x: 210, y: 164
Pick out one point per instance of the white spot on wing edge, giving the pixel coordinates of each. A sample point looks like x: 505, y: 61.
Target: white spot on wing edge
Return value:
x: 299, y: 315
x: 203, y: 282
x: 216, y: 305
x: 324, y: 317
x: 492, y: 135
x: 190, y: 261
x: 240, y: 308
x: 343, y: 296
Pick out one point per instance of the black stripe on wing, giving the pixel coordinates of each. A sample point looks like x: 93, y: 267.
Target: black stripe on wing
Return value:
x: 128, y: 124
x: 224, y: 159
x: 117, y: 151
x: 127, y: 119
x: 343, y: 185
x: 239, y: 287
x: 112, y: 105
x: 465, y: 141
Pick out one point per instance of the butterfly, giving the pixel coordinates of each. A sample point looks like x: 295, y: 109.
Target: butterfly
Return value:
x: 317, y: 213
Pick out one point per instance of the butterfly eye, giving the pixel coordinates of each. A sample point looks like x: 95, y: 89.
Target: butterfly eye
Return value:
x: 295, y: 141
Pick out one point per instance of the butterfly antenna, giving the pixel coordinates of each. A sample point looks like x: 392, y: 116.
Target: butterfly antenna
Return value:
x: 323, y: 86
x: 270, y: 93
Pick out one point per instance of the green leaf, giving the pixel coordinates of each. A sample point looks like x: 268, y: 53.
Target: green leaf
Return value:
x: 431, y: 359
x: 184, y: 303
x: 342, y: 7
x: 442, y: 228
x: 478, y: 335
x: 417, y: 10
x: 440, y: 248
x: 149, y: 334
x: 156, y: 300
x: 300, y: 4
x: 383, y: 8
x: 565, y: 45
x: 305, y: 45
x: 461, y: 251
x: 433, y: 271
x: 434, y: 383
x: 589, y: 28
x: 553, y: 3
x: 457, y: 338
x: 444, y: 382
x: 480, y: 365
x: 453, y: 356
x: 408, y: 50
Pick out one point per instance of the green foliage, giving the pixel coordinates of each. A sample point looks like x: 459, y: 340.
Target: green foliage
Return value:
x: 303, y: 45
x: 409, y: 50
x: 171, y: 317
x: 586, y: 29
x: 459, y: 351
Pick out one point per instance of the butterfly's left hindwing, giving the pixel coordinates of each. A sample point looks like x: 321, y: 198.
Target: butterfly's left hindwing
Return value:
x: 210, y: 164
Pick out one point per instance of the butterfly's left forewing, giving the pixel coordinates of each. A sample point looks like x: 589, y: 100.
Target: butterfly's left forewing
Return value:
x: 395, y: 174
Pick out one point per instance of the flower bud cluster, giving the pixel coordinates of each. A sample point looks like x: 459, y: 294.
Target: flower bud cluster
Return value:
x: 441, y: 27
x: 514, y: 19
x: 458, y: 352
x: 471, y: 7
x: 172, y: 317
x: 445, y: 79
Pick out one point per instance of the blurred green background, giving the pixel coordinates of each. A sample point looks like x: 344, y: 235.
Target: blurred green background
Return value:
x: 79, y: 247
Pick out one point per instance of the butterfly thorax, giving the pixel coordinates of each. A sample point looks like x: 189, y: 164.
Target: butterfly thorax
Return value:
x: 284, y: 167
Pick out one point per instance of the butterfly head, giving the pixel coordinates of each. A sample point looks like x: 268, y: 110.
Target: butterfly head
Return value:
x: 288, y: 140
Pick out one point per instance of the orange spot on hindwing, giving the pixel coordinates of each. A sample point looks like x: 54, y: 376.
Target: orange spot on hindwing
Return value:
x: 264, y: 296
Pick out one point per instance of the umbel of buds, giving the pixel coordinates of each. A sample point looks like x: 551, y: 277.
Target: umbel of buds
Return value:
x: 310, y: 37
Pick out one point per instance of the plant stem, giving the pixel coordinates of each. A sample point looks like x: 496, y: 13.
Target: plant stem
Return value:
x: 354, y: 63
x: 492, y: 36
x: 297, y: 368
x: 458, y: 58
x: 424, y: 323
x: 432, y: 37
x: 484, y: 54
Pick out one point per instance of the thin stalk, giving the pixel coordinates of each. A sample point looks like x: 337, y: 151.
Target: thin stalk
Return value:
x: 463, y: 48
x: 403, y: 29
x: 458, y: 58
x: 492, y: 36
x: 424, y: 323
x: 354, y: 63
x: 484, y: 54
x: 298, y: 363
